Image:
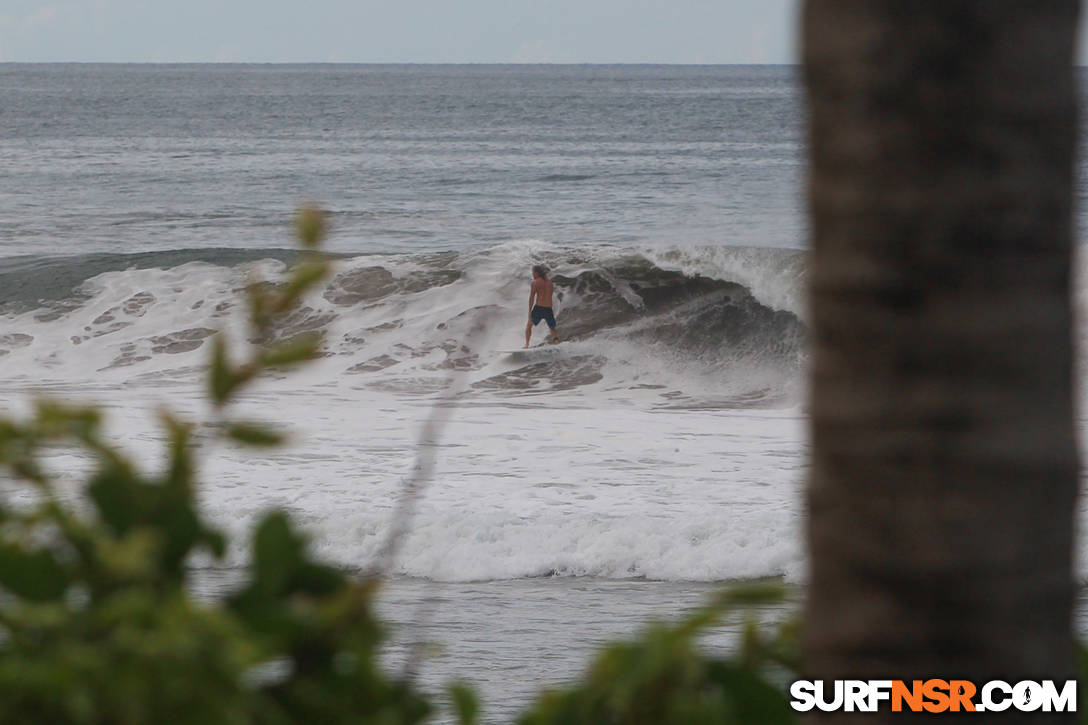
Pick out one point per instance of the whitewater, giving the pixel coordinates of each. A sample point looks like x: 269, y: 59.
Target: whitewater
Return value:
x: 610, y: 446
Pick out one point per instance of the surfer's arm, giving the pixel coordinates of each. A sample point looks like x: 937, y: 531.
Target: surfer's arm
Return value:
x: 532, y: 297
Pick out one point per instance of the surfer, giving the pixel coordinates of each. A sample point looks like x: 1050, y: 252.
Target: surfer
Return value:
x: 540, y: 303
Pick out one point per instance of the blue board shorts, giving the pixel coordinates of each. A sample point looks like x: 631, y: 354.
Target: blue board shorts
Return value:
x: 543, y: 313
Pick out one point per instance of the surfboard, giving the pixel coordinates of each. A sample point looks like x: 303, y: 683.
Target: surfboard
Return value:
x: 536, y: 349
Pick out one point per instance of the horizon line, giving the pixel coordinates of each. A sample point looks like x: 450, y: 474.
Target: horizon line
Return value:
x: 372, y: 62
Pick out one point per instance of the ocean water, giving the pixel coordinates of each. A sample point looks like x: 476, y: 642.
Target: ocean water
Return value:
x: 577, y: 490
x: 407, y: 158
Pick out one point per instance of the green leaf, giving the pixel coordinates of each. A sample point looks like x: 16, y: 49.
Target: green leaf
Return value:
x: 33, y: 575
x: 465, y: 703
x: 277, y: 552
x: 255, y: 434
x: 753, y: 699
x: 180, y: 528
x: 57, y: 420
x: 299, y: 348
x: 215, y: 541
x: 224, y: 380
x: 259, y: 304
x: 310, y: 226
x: 130, y: 557
x: 318, y: 580
x: 304, y: 275
x: 747, y: 595
x: 115, y: 493
x: 27, y: 468
x: 221, y: 379
x: 179, y: 474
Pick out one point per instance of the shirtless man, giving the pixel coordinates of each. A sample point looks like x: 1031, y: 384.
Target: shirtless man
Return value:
x: 540, y: 303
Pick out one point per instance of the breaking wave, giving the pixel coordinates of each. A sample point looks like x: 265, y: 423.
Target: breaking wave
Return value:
x: 689, y: 327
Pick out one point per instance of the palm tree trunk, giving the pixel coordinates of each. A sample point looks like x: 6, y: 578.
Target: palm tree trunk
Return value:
x: 944, y: 464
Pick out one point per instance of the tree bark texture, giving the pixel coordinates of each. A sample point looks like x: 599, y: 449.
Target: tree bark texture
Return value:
x: 944, y: 464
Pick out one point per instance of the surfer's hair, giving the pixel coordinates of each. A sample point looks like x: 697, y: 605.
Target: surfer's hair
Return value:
x: 540, y: 270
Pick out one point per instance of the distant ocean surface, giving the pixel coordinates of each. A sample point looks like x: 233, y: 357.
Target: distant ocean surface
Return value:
x: 656, y: 453
x: 115, y: 158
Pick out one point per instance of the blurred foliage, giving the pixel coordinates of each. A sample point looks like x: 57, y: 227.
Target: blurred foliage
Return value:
x: 662, y: 677
x: 98, y: 622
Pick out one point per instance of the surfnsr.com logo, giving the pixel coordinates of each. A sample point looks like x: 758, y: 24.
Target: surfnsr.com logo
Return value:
x: 933, y: 696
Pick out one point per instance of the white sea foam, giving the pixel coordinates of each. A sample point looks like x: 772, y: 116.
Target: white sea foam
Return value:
x: 549, y: 490
x: 406, y: 322
x: 613, y: 471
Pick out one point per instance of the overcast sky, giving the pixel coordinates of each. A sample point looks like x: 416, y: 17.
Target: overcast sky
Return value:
x: 420, y: 31
x: 401, y: 31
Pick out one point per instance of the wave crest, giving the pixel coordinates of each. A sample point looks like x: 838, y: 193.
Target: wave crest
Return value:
x: 690, y: 326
